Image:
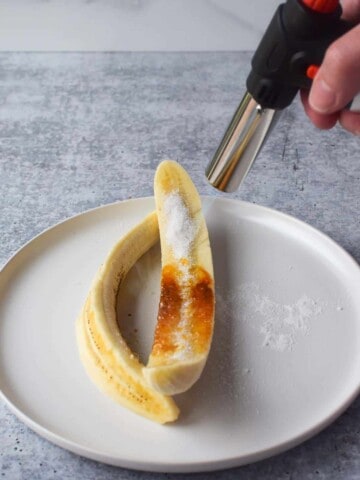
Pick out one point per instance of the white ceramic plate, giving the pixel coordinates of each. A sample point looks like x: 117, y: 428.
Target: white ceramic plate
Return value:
x: 285, y: 359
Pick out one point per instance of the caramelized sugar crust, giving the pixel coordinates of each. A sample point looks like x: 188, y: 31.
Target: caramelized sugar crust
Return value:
x: 186, y: 311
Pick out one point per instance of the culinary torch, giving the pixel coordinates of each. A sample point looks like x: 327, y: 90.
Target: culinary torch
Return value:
x: 285, y: 61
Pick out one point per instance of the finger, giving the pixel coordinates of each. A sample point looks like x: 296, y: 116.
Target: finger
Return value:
x: 351, y: 10
x: 322, y: 121
x: 350, y: 121
x: 338, y: 79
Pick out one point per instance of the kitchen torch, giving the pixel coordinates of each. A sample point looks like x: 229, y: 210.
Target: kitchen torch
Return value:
x: 285, y: 61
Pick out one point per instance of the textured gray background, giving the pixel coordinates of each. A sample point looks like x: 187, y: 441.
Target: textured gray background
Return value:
x: 82, y: 130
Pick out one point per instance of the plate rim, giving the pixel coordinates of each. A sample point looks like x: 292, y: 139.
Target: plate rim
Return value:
x: 184, y: 466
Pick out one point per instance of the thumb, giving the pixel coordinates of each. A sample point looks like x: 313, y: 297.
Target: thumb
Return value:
x: 338, y: 79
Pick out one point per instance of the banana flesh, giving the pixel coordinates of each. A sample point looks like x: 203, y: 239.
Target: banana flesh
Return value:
x: 185, y: 321
x: 184, y: 327
x: 104, y: 353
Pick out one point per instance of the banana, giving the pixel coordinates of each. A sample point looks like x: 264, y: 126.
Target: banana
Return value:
x: 185, y: 320
x: 105, y: 355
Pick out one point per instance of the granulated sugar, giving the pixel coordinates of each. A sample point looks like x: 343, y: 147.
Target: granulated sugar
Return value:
x: 181, y: 229
x: 279, y: 325
x: 180, y: 234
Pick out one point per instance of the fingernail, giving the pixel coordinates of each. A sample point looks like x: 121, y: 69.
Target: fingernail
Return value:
x: 322, y: 97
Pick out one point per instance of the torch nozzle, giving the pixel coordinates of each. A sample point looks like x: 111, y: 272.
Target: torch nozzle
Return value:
x: 240, y: 145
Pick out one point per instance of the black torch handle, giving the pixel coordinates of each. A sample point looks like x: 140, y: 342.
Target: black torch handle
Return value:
x: 296, y: 38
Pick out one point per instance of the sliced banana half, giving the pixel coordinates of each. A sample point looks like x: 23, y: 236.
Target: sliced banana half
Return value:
x: 185, y: 320
x: 106, y: 356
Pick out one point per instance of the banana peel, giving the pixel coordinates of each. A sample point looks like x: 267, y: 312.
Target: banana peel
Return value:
x: 107, y: 359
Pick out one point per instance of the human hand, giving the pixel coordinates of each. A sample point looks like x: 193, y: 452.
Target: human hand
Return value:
x: 338, y: 79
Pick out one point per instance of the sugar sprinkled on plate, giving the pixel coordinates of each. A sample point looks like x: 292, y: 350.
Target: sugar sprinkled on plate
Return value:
x: 279, y: 325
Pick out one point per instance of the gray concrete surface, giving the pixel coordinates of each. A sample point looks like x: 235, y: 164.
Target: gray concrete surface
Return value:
x: 82, y: 130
